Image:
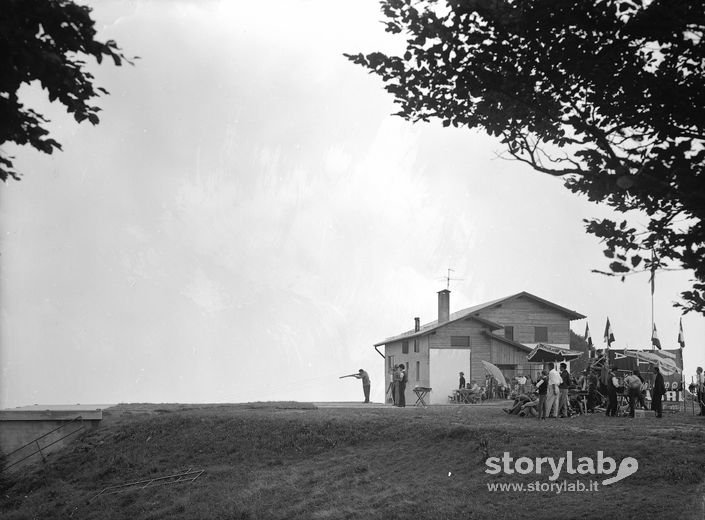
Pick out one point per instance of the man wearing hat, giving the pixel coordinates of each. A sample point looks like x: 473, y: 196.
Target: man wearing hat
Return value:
x: 461, y: 382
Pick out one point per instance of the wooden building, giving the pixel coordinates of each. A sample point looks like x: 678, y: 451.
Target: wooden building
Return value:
x: 501, y: 332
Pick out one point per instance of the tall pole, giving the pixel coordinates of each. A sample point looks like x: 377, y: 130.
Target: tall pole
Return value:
x: 653, y: 285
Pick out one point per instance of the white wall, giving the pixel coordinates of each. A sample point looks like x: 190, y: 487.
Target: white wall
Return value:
x: 445, y: 364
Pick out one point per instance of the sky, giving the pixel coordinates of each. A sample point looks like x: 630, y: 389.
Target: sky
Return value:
x: 248, y: 220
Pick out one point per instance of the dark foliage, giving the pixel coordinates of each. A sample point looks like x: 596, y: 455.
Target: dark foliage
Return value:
x: 607, y: 95
x: 46, y: 41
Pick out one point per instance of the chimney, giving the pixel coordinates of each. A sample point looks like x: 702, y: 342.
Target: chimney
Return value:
x: 417, y: 324
x: 443, y: 305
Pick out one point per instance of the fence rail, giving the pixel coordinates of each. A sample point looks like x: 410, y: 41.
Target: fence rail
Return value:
x: 39, y: 448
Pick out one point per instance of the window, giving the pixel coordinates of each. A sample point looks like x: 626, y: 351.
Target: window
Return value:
x: 405, y: 347
x: 540, y: 334
x: 509, y: 332
x: 416, y: 344
x: 460, y: 341
x: 418, y: 370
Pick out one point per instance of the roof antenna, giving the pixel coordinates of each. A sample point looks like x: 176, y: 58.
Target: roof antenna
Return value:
x: 447, y: 278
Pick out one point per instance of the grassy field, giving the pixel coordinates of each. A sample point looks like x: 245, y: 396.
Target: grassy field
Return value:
x: 291, y: 460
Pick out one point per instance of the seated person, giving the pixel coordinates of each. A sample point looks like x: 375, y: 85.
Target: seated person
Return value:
x: 530, y: 408
x: 520, y: 401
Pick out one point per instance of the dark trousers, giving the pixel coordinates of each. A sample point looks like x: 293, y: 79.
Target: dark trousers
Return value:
x: 634, y: 397
x: 612, y: 405
x: 591, y: 398
x: 366, y: 389
x: 402, y: 397
x: 657, y: 405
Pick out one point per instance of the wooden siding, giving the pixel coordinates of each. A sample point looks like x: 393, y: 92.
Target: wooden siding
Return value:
x: 482, y: 348
x: 479, y: 344
x: 524, y: 314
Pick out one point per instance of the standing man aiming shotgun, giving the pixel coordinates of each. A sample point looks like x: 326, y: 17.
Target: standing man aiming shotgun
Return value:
x: 365, y: 382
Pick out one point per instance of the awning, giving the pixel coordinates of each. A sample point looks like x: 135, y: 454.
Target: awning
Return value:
x: 664, y: 360
x: 495, y: 372
x: 544, y: 353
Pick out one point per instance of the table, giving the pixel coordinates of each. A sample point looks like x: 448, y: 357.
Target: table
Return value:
x: 467, y: 396
x: 421, y: 392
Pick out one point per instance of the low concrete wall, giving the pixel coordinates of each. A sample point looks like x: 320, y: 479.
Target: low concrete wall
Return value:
x: 52, y: 429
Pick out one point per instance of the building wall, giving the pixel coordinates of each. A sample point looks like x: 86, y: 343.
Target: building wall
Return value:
x: 479, y: 344
x: 524, y: 314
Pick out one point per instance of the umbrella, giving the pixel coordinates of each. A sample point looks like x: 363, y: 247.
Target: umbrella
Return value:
x: 495, y: 372
x: 543, y: 353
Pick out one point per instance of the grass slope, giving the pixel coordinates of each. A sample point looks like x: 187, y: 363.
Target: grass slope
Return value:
x: 294, y: 461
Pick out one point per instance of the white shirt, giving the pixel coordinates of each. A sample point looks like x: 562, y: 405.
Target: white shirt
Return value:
x: 554, y: 377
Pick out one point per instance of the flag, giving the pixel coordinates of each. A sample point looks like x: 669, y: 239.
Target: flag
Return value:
x: 609, y: 335
x: 681, y: 336
x: 654, y: 338
x: 588, y: 340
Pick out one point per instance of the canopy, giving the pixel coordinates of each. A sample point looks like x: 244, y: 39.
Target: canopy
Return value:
x: 544, y: 353
x: 664, y: 360
x: 495, y: 372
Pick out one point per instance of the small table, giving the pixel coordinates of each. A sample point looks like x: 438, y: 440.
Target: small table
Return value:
x: 467, y: 396
x: 421, y: 392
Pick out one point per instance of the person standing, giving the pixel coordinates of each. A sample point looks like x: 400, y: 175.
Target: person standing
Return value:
x: 632, y: 385
x: 700, y: 381
x: 554, y: 380
x: 461, y: 381
x: 592, y: 391
x: 402, y: 386
x: 612, y: 385
x: 361, y: 374
x: 563, y: 389
x: 542, y: 388
x: 642, y: 388
x: 658, y: 393
x: 396, y: 377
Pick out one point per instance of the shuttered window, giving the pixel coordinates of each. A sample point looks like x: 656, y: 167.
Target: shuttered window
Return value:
x: 405, y: 347
x: 540, y: 334
x: 460, y: 341
x: 509, y: 332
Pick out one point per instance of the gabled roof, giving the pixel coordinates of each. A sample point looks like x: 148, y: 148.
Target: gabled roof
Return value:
x: 430, y: 327
x: 508, y: 341
x: 471, y: 312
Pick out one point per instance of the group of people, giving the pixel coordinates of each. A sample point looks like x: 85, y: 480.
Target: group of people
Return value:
x: 398, y: 384
x: 635, y: 387
x: 470, y: 392
x: 550, y: 398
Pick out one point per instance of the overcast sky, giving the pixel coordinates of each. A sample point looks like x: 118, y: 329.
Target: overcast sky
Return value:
x: 248, y: 219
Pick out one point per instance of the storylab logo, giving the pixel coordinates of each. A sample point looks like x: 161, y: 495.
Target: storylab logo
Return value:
x: 586, y: 467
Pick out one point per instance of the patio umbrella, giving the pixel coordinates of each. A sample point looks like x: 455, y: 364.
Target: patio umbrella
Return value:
x: 544, y: 353
x: 495, y: 372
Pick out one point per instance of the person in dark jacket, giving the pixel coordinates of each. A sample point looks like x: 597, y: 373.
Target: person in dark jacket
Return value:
x: 403, y: 378
x: 612, y: 394
x: 542, y: 387
x: 659, y: 391
x: 563, y: 404
x: 461, y: 382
